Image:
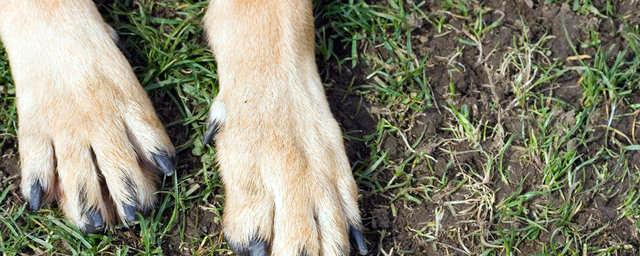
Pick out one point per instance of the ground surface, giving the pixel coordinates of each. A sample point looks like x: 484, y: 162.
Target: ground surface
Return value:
x: 473, y: 127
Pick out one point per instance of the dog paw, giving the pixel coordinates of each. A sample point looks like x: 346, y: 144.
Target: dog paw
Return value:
x: 289, y: 191
x: 88, y: 135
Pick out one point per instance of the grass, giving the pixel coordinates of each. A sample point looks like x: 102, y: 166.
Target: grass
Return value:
x: 473, y: 128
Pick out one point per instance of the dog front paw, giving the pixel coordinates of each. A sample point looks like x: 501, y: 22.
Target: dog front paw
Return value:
x: 289, y: 191
x: 88, y: 135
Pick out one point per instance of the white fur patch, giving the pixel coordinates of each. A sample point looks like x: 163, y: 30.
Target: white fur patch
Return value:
x: 217, y: 112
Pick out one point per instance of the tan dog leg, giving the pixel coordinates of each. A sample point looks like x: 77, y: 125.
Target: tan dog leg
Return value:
x: 83, y: 118
x: 289, y: 186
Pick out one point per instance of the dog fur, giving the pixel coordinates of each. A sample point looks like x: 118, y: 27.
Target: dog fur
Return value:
x: 89, y: 137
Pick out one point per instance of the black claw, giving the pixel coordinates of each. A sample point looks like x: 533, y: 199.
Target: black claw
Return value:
x: 303, y: 253
x: 212, y: 130
x: 357, y: 240
x: 95, y: 222
x: 129, y: 212
x: 164, y: 162
x: 256, y: 247
x: 35, y: 196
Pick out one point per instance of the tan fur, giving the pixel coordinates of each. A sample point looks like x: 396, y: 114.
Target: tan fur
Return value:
x: 280, y: 150
x: 82, y: 112
x: 77, y: 96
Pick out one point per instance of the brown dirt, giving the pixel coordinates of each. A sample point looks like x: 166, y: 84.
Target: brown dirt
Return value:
x: 541, y: 19
x: 8, y: 166
x: 354, y: 114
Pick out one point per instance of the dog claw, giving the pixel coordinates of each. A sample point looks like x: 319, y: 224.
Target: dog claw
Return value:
x: 96, y: 222
x: 35, y: 196
x: 129, y: 212
x: 357, y: 240
x: 212, y: 130
x: 164, y: 163
x: 255, y: 248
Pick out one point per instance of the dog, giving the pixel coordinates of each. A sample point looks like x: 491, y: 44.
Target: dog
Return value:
x: 89, y: 137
